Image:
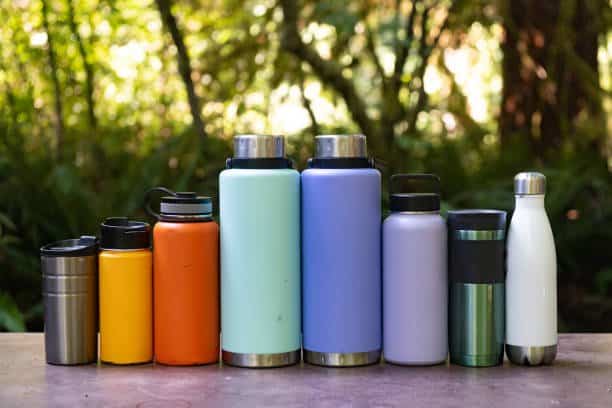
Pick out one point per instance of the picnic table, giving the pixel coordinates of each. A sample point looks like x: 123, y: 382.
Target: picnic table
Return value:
x: 580, y: 377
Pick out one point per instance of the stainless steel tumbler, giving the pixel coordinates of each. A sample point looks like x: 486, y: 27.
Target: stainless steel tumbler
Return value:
x: 70, y: 295
x: 476, y: 298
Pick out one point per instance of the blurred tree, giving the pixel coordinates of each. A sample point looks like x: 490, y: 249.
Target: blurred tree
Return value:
x: 87, y: 67
x: 57, y: 92
x: 184, y: 64
x: 551, y: 76
x: 395, y: 94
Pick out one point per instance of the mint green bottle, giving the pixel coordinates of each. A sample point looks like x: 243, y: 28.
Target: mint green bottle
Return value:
x: 259, y: 201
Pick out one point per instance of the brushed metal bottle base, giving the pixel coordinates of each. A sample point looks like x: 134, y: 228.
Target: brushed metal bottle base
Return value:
x: 252, y: 360
x: 69, y: 363
x: 531, y: 356
x: 481, y: 360
x: 342, y: 359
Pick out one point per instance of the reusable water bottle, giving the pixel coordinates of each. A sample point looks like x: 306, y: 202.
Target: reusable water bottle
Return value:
x: 531, y: 283
x: 415, y: 281
x: 126, y: 288
x: 185, y: 280
x: 341, y: 250
x: 70, y: 297
x: 259, y: 195
x: 476, y: 298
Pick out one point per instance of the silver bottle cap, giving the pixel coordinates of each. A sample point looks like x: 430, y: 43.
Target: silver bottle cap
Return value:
x: 259, y: 146
x: 334, y: 146
x: 529, y: 183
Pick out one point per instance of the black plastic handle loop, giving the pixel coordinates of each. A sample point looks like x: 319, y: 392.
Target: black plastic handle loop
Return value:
x: 148, y: 195
x: 379, y: 164
x: 432, y: 178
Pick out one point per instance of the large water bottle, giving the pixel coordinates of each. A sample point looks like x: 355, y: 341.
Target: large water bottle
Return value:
x: 341, y: 222
x: 259, y: 195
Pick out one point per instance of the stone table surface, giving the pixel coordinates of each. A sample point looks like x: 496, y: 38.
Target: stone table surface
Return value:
x: 580, y: 377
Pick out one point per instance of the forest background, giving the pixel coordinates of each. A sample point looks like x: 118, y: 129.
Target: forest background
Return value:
x: 102, y: 99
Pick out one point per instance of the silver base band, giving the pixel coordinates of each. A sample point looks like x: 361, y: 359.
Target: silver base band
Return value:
x: 531, y: 356
x: 252, y: 360
x: 342, y: 359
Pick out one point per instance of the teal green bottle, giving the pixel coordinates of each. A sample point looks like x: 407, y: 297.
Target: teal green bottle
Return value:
x: 259, y: 201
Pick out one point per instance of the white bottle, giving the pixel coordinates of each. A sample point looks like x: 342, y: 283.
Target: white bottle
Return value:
x: 531, y: 281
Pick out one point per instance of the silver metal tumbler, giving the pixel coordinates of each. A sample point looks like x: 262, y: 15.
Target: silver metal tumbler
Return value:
x: 70, y: 294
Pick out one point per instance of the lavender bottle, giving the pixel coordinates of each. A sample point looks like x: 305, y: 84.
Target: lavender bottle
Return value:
x: 415, y: 282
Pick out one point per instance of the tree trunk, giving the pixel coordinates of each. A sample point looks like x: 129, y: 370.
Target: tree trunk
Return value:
x: 550, y: 72
x: 57, y: 93
x: 329, y: 72
x: 184, y: 64
x: 89, y: 74
x: 314, y: 124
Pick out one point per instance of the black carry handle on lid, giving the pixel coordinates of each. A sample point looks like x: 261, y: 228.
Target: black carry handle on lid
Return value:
x: 147, y: 205
x: 419, y: 180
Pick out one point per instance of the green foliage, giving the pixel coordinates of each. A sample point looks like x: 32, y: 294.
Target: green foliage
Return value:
x: 11, y: 318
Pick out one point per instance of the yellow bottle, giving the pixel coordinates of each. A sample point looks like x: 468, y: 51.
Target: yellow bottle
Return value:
x: 126, y: 292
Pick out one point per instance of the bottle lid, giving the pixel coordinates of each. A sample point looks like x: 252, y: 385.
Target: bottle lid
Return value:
x: 477, y: 224
x: 529, y: 183
x: 180, y: 206
x: 83, y: 246
x: 186, y: 203
x: 340, y: 146
x: 414, y: 193
x: 121, y: 233
x: 259, y: 146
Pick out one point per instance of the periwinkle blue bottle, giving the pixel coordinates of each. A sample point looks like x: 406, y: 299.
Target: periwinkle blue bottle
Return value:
x: 341, y: 254
x: 415, y: 278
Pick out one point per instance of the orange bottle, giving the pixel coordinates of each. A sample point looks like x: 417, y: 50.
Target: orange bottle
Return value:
x: 185, y: 280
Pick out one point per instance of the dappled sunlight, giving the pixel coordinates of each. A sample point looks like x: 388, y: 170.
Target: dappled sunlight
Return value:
x: 475, y: 68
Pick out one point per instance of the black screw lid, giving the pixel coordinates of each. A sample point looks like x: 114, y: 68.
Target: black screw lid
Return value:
x: 422, y: 195
x: 477, y: 220
x: 84, y: 246
x: 121, y: 233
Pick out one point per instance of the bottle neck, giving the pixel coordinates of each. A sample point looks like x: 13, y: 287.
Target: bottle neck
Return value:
x: 529, y: 201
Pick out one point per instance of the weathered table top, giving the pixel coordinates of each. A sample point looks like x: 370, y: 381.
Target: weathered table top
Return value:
x: 581, y: 377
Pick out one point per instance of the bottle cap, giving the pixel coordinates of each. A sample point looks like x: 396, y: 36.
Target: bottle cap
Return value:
x: 180, y: 206
x: 414, y: 193
x: 84, y: 246
x: 529, y: 183
x: 259, y: 147
x: 340, y: 152
x: 186, y: 203
x: 121, y: 233
x: 340, y: 146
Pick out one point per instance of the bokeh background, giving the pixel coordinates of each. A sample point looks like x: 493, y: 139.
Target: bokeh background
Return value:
x: 102, y: 99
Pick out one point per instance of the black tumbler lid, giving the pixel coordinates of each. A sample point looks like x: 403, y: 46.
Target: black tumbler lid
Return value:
x: 84, y: 246
x: 486, y: 220
x: 121, y: 233
x: 422, y: 195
